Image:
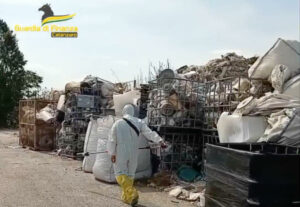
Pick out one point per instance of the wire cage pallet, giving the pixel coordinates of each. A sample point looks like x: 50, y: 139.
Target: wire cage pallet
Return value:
x: 184, y: 148
x: 35, y: 133
x: 81, y: 103
x: 145, y: 89
x: 176, y: 102
x: 185, y: 113
x: 71, y: 138
x: 224, y: 95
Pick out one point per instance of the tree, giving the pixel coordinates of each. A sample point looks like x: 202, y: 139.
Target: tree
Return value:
x: 15, y: 82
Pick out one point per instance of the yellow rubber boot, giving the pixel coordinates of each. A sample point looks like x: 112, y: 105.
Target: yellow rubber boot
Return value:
x: 129, y: 193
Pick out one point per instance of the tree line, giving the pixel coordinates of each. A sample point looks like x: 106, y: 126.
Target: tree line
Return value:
x: 15, y: 82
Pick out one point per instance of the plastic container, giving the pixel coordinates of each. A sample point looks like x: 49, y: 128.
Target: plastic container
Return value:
x: 252, y: 175
x: 237, y: 128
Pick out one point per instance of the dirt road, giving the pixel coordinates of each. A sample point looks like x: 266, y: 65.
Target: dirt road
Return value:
x: 36, y: 179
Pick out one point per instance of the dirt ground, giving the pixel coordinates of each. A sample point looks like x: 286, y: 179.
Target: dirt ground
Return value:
x: 29, y: 179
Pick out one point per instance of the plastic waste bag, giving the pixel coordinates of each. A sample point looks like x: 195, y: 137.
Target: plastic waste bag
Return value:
x: 279, y: 76
x: 286, y: 52
x: 283, y: 128
x: 47, y: 114
x: 292, y: 87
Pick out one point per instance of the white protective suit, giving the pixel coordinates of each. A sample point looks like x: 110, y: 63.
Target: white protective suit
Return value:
x: 123, y: 142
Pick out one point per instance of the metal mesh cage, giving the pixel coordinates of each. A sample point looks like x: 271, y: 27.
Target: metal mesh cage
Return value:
x: 81, y: 103
x: 71, y: 138
x: 224, y: 95
x: 183, y: 149
x: 35, y: 133
x: 176, y: 103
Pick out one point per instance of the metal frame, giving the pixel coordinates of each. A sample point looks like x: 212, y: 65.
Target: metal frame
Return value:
x: 224, y: 95
x: 71, y: 141
x: 210, y: 100
x: 32, y: 130
x: 176, y: 103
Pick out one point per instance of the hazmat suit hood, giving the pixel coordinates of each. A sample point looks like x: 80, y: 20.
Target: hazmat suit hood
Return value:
x: 128, y: 110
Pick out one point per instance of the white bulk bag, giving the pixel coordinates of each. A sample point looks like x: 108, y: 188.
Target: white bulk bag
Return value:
x: 283, y: 128
x: 61, y: 103
x: 107, y: 89
x: 279, y: 76
x: 292, y: 87
x: 103, y: 167
x: 144, y: 168
x: 237, y: 128
x: 286, y: 52
x: 96, y: 129
x: 46, y: 114
x: 90, y: 146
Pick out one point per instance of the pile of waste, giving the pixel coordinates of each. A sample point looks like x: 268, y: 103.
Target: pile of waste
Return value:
x: 89, y: 99
x: 229, y: 65
x: 272, y: 116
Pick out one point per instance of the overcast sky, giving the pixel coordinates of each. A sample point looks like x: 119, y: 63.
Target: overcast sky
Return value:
x: 125, y: 35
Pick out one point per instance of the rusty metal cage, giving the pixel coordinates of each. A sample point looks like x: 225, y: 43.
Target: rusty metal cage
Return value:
x: 35, y: 133
x: 176, y: 103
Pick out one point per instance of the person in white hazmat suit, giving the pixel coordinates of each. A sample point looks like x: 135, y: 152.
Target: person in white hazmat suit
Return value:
x: 123, y: 148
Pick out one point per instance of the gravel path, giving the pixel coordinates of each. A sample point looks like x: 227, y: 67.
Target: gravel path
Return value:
x: 39, y: 179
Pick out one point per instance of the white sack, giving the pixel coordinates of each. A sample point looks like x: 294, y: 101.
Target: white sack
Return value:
x: 61, y: 103
x: 46, y: 114
x: 292, y: 87
x: 277, y: 123
x: 282, y: 52
x: 96, y: 129
x: 271, y: 103
x: 107, y: 89
x: 279, y: 76
x: 103, y: 168
x: 121, y: 100
x: 236, y: 128
x: 72, y: 87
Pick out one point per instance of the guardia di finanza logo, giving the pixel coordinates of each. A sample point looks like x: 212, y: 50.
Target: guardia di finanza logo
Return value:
x: 49, y: 16
x: 47, y: 25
